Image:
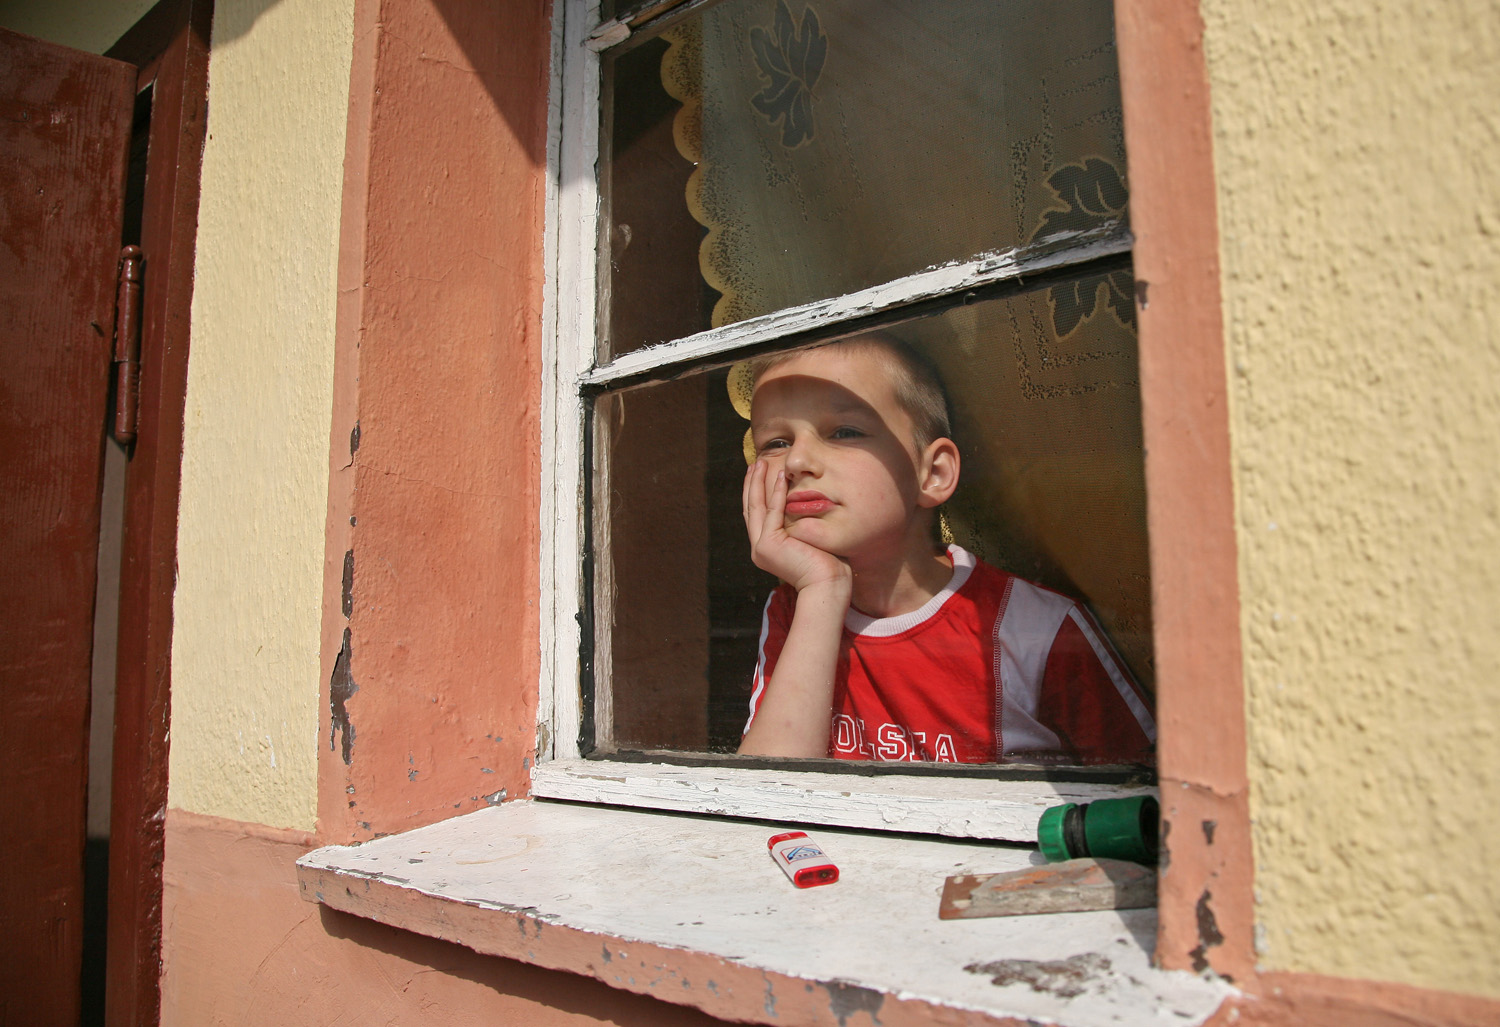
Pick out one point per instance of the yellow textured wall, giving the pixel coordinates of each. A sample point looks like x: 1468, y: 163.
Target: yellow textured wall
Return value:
x: 1356, y: 151
x: 91, y: 25
x: 255, y: 452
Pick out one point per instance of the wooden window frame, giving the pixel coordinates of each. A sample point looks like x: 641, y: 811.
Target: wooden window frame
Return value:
x: 1006, y: 802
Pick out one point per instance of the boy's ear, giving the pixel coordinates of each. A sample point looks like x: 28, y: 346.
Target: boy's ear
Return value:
x: 939, y: 473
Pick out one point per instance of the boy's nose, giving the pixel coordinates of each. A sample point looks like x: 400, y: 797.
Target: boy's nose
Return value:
x: 802, y: 457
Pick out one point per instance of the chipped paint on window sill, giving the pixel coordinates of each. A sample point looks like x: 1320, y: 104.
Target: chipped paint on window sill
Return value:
x: 993, y: 808
x: 693, y: 911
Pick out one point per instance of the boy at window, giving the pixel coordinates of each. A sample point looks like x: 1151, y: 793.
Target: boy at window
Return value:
x: 880, y: 643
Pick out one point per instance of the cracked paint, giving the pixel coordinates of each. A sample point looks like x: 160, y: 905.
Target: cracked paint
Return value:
x: 845, y: 999
x: 940, y: 280
x: 346, y: 597
x: 1065, y: 978
x: 340, y: 688
x: 1209, y: 934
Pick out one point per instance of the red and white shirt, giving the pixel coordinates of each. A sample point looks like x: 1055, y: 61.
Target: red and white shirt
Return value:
x: 990, y: 667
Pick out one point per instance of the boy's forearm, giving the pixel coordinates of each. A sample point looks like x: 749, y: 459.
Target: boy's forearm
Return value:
x: 797, y: 711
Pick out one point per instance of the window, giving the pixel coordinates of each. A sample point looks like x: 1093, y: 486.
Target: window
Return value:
x: 767, y: 176
x: 1193, y: 567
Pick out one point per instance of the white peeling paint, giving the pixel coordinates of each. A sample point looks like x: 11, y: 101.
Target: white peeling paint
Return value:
x: 693, y: 886
x: 950, y: 806
x: 567, y: 341
x: 1058, y: 250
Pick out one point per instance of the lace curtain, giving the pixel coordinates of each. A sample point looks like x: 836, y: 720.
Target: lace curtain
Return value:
x: 844, y: 144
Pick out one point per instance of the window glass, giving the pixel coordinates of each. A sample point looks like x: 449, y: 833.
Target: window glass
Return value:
x: 1046, y: 413
x: 760, y: 154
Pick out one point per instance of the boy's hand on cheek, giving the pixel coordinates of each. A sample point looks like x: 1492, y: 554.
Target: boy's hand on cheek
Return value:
x: 795, y: 714
x: 796, y: 562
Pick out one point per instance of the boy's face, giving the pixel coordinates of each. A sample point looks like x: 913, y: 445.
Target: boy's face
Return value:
x: 831, y: 419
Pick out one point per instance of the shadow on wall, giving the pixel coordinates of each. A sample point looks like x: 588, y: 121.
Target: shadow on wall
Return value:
x: 235, y: 18
x: 515, y: 80
x: 553, y: 991
x: 512, y: 81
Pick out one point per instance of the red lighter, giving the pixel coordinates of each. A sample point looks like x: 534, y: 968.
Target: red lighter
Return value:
x: 802, y: 860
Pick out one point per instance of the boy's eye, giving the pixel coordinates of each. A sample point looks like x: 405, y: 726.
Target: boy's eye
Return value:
x: 847, y: 432
x: 770, y: 444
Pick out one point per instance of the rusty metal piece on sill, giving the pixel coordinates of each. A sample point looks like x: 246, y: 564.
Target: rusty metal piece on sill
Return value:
x: 1073, y: 886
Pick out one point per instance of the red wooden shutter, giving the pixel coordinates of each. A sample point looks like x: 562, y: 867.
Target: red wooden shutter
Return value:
x: 64, y: 132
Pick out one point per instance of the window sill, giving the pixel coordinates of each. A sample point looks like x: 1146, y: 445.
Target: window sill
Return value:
x: 693, y: 911
x: 953, y: 807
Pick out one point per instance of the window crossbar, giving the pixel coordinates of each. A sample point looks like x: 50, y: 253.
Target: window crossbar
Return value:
x: 884, y: 304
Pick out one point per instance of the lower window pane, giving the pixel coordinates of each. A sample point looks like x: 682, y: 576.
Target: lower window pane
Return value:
x: 1046, y: 414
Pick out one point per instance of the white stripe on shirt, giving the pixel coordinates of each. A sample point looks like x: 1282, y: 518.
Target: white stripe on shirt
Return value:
x: 760, y: 661
x: 1112, y: 666
x: 1024, y: 632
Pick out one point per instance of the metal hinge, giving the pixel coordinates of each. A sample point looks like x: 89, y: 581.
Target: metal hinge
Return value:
x: 128, y: 345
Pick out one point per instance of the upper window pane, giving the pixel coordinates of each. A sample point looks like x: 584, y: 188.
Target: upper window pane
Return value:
x: 761, y: 155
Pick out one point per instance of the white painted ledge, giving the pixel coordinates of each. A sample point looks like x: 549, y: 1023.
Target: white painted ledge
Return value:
x: 953, y: 807
x: 693, y: 911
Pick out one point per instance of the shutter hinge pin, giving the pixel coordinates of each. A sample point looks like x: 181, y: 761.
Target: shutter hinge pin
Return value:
x: 128, y: 345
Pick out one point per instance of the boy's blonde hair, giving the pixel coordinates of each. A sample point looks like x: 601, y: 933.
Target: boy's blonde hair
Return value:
x: 919, y: 387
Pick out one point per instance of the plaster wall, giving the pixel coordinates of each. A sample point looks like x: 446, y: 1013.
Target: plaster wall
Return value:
x: 91, y: 25
x: 245, y: 670
x: 1360, y: 241
x: 288, y: 961
x: 430, y: 638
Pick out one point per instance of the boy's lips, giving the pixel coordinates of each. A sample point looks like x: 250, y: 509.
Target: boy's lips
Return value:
x: 807, y: 504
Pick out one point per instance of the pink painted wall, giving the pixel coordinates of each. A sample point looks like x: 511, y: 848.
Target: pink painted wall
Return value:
x: 430, y: 656
x: 242, y: 948
x: 1194, y: 577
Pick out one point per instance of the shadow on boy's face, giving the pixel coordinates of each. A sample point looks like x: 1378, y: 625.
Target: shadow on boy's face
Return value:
x: 812, y: 402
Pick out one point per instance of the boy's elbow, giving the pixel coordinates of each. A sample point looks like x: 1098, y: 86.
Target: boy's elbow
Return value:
x: 762, y: 744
